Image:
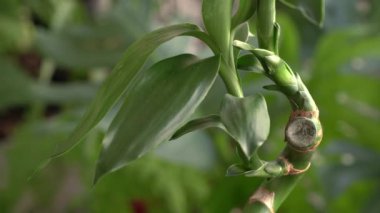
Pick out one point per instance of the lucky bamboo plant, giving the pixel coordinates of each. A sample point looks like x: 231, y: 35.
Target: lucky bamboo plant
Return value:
x: 155, y: 104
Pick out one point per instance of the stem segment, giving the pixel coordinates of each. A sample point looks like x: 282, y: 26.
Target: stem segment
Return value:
x: 303, y: 131
x: 266, y: 17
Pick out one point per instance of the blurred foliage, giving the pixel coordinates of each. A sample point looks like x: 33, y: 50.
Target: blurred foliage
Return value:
x: 53, y: 54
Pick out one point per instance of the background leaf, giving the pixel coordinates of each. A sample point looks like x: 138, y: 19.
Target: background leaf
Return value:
x: 312, y: 10
x: 166, y: 94
x: 348, y: 163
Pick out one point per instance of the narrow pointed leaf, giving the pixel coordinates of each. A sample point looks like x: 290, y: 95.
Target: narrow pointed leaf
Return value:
x: 312, y: 10
x: 160, y: 102
x: 247, y: 121
x: 119, y: 80
x: 241, y: 33
x: 249, y: 63
x: 217, y: 20
x: 272, y: 87
x: 198, y: 124
x: 236, y: 170
x: 276, y: 37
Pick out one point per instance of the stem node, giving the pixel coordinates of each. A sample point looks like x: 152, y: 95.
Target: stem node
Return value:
x: 263, y: 196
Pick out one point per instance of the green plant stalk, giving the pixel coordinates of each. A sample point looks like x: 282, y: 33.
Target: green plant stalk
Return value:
x: 266, y: 17
x: 231, y: 80
x: 274, y: 191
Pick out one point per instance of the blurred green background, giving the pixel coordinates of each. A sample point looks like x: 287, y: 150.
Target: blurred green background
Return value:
x: 55, y: 53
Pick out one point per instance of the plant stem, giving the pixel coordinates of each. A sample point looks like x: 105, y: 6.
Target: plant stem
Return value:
x: 274, y: 191
x: 266, y: 17
x: 230, y: 79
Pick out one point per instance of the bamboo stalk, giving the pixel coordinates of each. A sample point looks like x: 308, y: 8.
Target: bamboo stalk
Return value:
x: 303, y: 132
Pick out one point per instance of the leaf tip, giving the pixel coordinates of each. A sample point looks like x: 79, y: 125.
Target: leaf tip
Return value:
x: 99, y: 173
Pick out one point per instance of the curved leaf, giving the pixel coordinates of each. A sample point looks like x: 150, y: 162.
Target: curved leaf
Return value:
x: 119, y: 81
x: 217, y: 20
x: 163, y: 98
x: 245, y: 11
x: 312, y: 10
x: 249, y: 62
x: 247, y: 121
x: 241, y: 33
x: 199, y: 123
x: 236, y: 170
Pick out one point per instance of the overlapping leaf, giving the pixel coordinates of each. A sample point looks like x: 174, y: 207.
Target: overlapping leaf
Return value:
x: 247, y: 121
x: 217, y: 20
x: 245, y: 11
x: 118, y: 82
x: 162, y: 98
x: 200, y: 123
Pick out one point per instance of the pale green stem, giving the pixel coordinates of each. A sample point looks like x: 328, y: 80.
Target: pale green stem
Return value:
x: 279, y: 187
x: 266, y: 17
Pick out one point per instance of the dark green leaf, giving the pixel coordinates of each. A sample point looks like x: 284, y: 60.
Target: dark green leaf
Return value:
x: 161, y: 100
x: 120, y: 79
x: 249, y: 63
x: 217, y: 20
x: 247, y: 121
x: 197, y: 124
x: 16, y: 86
x: 245, y: 11
x: 276, y: 37
x: 266, y: 169
x: 312, y: 10
x: 272, y: 87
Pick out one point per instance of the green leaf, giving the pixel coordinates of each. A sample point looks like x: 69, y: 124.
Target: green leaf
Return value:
x: 312, y: 10
x: 199, y: 123
x: 241, y: 33
x: 15, y: 87
x: 120, y: 79
x: 272, y: 87
x: 235, y: 170
x: 217, y: 20
x: 162, y: 99
x: 249, y: 63
x: 266, y: 169
x: 245, y: 11
x: 247, y: 121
